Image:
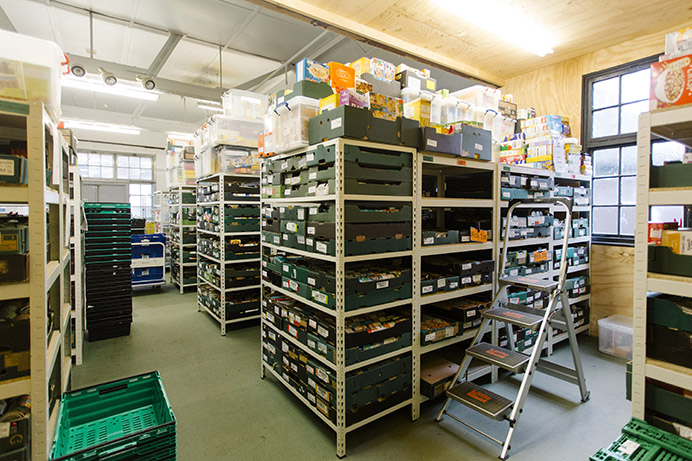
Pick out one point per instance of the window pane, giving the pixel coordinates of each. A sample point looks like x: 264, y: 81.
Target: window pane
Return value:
x: 628, y: 161
x: 628, y: 190
x: 605, y: 220
x: 605, y: 122
x: 84, y: 170
x: 135, y: 200
x: 635, y: 86
x: 82, y: 159
x: 107, y: 172
x: 94, y: 159
x: 134, y: 173
x: 107, y: 160
x: 606, y: 93
x: 629, y: 116
x: 123, y: 173
x: 605, y: 162
x: 669, y: 151
x: 146, y: 189
x: 627, y: 220
x: 94, y: 171
x: 134, y: 162
x: 123, y: 160
x: 146, y: 200
x: 605, y: 191
x: 145, y: 174
x: 667, y: 213
x: 145, y: 162
x: 135, y: 189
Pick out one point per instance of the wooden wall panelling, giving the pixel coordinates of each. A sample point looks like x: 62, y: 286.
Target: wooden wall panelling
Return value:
x: 612, y: 282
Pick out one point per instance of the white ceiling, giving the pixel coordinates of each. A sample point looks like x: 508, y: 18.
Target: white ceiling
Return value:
x: 255, y: 42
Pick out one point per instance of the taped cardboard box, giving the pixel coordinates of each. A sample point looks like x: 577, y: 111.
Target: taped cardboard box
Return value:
x: 436, y: 375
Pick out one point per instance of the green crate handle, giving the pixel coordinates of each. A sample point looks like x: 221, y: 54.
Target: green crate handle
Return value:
x: 114, y: 451
x: 113, y: 389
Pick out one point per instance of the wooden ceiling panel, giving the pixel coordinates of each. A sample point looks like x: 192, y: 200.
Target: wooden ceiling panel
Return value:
x: 578, y: 26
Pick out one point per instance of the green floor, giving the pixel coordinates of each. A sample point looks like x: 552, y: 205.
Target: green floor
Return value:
x: 225, y: 411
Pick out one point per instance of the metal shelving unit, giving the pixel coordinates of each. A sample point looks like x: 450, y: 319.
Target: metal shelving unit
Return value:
x: 48, y: 287
x: 77, y: 276
x: 674, y: 124
x: 218, y: 208
x: 177, y: 230
x: 339, y: 314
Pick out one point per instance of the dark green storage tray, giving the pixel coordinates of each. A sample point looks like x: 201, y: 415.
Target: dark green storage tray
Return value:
x: 98, y: 420
x: 669, y: 311
x: 663, y: 261
x: 360, y: 300
x: 356, y: 248
x: 359, y: 232
x: 359, y: 354
x: 241, y: 210
x: 374, y: 187
x: 671, y: 175
x: 440, y: 237
x: 362, y: 212
x: 320, y: 155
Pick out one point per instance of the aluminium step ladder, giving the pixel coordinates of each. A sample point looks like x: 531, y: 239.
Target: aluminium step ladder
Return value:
x: 557, y: 315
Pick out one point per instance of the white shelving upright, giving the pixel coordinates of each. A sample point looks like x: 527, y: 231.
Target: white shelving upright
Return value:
x: 674, y: 124
x: 177, y: 231
x: 78, y: 264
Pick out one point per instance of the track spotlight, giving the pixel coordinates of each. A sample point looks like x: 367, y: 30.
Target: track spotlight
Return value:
x: 78, y: 70
x: 108, y: 77
x: 147, y: 83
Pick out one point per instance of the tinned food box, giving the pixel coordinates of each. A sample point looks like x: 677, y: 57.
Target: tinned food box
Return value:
x: 671, y: 83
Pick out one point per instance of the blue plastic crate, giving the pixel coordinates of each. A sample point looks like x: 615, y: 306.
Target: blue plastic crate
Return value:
x: 147, y: 274
x: 159, y: 238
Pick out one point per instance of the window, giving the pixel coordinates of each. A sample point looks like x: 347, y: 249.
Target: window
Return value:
x: 137, y: 170
x: 98, y: 166
x: 141, y: 197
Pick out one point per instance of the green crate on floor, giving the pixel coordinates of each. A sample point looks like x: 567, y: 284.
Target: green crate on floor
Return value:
x: 642, y: 442
x: 97, y: 421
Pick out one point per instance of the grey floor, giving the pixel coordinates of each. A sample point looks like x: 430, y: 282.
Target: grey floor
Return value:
x: 225, y: 411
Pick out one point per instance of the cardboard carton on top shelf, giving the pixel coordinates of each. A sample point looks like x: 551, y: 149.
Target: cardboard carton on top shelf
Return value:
x: 341, y: 76
x: 671, y: 82
x: 312, y: 71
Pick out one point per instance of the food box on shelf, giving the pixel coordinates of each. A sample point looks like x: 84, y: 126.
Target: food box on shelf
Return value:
x: 436, y: 375
x: 433, y: 141
x: 434, y: 329
x: 671, y: 84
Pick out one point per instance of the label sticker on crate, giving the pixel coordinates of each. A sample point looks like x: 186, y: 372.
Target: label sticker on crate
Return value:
x: 432, y: 142
x: 310, y: 156
x: 466, y: 266
x: 312, y: 189
x: 382, y: 284
x: 7, y: 169
x: 311, y: 281
x: 628, y: 447
x: 277, y: 240
x: 293, y: 285
x: 322, y: 375
x: 291, y: 226
x: 322, y: 392
x: 284, y: 165
x: 449, y: 331
x: 311, y: 344
x: 309, y: 242
x: 478, y: 146
x: 269, y: 316
x: 319, y: 297
x: 540, y: 255
x: 441, y: 283
x: 336, y: 123
x: 479, y: 235
x: 311, y: 230
x: 284, y: 267
x: 322, y: 331
x: 454, y: 285
x: 322, y: 347
x: 311, y: 382
x: 429, y: 337
x: 428, y: 240
x: 312, y: 175
x: 321, y: 247
x: 300, y: 239
x: 427, y: 289
x: 287, y: 191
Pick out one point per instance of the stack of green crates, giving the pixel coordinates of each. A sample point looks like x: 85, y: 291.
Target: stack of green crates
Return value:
x: 125, y: 419
x: 641, y: 442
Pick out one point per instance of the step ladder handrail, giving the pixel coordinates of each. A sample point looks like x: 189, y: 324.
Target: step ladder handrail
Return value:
x: 518, y: 203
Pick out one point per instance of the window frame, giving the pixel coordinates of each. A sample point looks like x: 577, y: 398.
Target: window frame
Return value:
x: 613, y: 141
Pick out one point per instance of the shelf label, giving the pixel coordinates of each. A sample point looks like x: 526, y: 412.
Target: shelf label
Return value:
x: 15, y: 108
x: 461, y: 162
x: 479, y: 235
x: 428, y: 158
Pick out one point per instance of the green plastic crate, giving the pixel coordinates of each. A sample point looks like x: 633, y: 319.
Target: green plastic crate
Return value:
x: 114, y: 417
x: 653, y: 445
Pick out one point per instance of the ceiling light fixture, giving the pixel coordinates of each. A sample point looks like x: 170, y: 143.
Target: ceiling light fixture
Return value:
x: 176, y: 134
x: 147, y: 83
x: 105, y: 127
x: 209, y: 106
x: 109, y: 78
x: 494, y: 16
x: 98, y: 86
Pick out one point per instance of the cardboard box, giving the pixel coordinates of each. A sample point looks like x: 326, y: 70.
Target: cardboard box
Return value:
x: 341, y: 76
x: 417, y: 82
x: 436, y: 375
x: 671, y: 83
x: 350, y: 97
x: 313, y: 71
x: 14, y: 365
x: 309, y: 89
x: 679, y: 241
x: 379, y: 68
x: 433, y: 141
x: 508, y: 109
x: 418, y: 109
x: 391, y: 89
x: 656, y: 231
x: 475, y: 143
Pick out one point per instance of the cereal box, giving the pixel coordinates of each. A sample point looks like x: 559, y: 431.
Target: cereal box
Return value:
x: 671, y: 83
x: 342, y: 76
x: 352, y: 98
x: 313, y: 71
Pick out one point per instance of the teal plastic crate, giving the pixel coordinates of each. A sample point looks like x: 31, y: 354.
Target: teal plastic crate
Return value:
x: 642, y: 442
x: 118, y: 420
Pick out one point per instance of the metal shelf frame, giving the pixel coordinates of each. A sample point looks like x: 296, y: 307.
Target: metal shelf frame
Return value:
x: 77, y: 213
x: 179, y: 228
x: 224, y: 292
x: 675, y: 124
x: 49, y: 283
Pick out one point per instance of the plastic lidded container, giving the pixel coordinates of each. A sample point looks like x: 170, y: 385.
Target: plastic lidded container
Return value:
x: 31, y: 70
x: 481, y: 96
x: 409, y: 94
x: 294, y: 115
x: 230, y: 131
x: 615, y: 336
x: 244, y: 105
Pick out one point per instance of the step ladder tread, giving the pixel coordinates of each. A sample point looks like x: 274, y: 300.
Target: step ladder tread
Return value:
x: 529, y: 282
x: 480, y: 399
x: 515, y: 317
x: 496, y: 355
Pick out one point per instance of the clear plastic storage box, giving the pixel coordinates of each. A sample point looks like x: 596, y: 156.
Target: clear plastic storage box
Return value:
x: 294, y: 115
x: 480, y: 96
x: 615, y: 336
x: 31, y: 69
x: 229, y: 131
x: 238, y: 161
x: 244, y: 105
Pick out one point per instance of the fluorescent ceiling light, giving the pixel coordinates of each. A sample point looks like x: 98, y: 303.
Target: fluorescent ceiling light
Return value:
x: 503, y: 20
x: 209, y: 107
x: 106, y: 127
x: 175, y: 134
x: 120, y: 89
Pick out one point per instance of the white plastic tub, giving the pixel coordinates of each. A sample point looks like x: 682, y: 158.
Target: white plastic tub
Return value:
x: 244, y: 105
x: 31, y: 69
x: 294, y: 115
x: 615, y: 336
x: 480, y: 96
x: 229, y: 131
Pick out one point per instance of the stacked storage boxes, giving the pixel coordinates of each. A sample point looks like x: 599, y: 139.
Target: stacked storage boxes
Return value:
x: 228, y: 226
x: 148, y: 259
x: 183, y: 215
x: 331, y: 266
x: 108, y: 259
